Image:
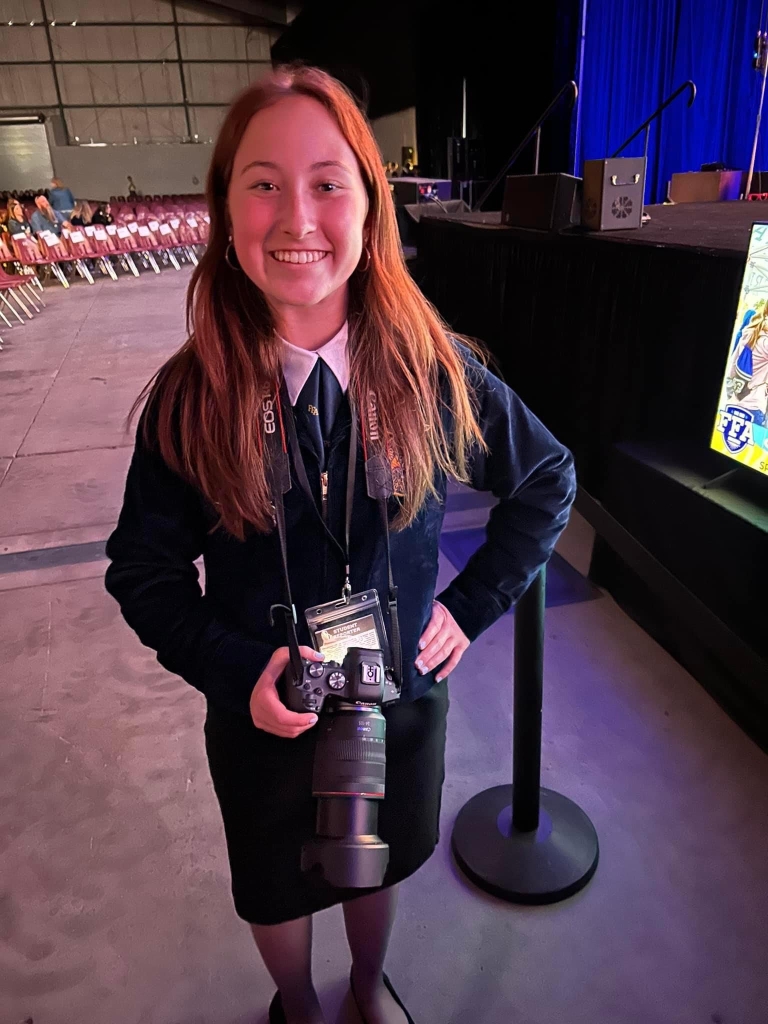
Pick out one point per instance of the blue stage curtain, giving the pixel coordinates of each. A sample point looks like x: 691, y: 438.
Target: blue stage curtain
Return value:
x: 638, y: 51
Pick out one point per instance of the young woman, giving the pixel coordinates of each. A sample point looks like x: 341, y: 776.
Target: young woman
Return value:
x: 303, y: 281
x: 103, y: 214
x: 81, y: 214
x: 17, y: 221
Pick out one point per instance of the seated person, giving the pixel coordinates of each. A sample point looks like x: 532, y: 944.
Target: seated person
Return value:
x: 81, y: 214
x: 103, y: 214
x: 45, y: 218
x: 17, y: 222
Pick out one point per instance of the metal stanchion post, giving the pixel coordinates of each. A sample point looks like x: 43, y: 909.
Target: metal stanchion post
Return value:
x: 521, y: 842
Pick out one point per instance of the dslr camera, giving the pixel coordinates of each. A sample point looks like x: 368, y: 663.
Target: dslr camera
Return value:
x: 362, y: 679
x: 350, y: 763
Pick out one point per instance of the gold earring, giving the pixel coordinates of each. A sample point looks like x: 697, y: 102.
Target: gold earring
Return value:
x: 227, y: 260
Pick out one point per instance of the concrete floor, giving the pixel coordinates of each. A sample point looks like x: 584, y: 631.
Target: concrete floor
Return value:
x: 114, y: 891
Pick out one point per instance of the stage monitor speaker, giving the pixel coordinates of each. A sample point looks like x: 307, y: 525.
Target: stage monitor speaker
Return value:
x: 613, y: 193
x: 548, y: 202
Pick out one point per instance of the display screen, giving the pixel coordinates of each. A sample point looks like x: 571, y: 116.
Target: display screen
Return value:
x: 741, y: 429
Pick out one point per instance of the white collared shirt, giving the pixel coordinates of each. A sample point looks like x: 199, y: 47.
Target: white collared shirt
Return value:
x: 298, y: 363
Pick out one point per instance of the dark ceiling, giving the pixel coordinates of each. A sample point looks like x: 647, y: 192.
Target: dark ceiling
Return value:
x: 367, y: 45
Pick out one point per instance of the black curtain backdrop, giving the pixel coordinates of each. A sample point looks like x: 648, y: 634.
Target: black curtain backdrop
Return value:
x: 515, y: 57
x: 618, y: 344
x: 709, y: 542
x: 406, y: 53
x: 369, y: 46
x: 606, y: 341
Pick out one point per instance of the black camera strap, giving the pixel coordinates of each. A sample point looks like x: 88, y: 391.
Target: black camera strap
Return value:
x: 279, y: 433
x: 278, y: 470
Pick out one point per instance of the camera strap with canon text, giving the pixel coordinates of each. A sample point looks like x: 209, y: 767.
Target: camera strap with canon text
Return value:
x: 279, y: 431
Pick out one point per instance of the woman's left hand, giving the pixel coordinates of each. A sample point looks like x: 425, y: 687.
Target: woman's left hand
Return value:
x: 441, y: 642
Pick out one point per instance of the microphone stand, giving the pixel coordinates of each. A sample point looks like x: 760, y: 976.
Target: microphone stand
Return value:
x: 764, y: 61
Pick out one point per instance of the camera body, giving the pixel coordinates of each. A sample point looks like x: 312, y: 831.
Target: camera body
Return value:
x: 361, y: 679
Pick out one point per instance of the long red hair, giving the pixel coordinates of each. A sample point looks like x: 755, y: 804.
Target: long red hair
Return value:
x: 204, y: 402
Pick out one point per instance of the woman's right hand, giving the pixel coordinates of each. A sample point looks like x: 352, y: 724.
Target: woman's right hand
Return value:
x: 267, y: 710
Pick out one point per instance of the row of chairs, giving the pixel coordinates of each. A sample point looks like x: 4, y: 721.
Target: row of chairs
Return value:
x: 19, y: 295
x: 130, y: 245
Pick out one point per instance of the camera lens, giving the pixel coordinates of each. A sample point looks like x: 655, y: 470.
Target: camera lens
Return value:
x: 351, y: 753
x: 349, y: 774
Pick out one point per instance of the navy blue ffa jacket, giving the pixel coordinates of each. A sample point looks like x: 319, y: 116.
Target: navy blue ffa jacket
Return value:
x: 221, y: 640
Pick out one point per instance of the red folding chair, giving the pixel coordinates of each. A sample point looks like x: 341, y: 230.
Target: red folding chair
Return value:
x: 190, y: 229
x: 11, y: 287
x: 162, y: 243
x: 147, y: 245
x: 19, y: 285
x: 181, y: 238
x: 30, y: 254
x: 6, y: 256
x: 96, y: 249
x: 100, y: 240
x: 120, y: 238
x: 75, y: 244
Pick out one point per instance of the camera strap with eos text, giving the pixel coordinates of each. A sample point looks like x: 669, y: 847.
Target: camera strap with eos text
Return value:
x: 279, y: 433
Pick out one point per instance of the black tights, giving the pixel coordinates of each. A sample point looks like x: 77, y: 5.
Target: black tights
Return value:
x: 286, y: 950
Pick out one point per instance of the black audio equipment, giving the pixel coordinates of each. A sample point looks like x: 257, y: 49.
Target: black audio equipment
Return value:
x: 548, y: 202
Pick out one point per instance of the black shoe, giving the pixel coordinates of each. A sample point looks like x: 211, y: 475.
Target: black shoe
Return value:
x: 276, y: 1011
x: 390, y: 988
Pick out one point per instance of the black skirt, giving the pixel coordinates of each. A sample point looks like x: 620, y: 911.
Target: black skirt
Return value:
x: 264, y: 787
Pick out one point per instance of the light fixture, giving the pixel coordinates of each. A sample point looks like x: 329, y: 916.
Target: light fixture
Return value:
x: 77, y: 138
x: 53, y: 24
x: 10, y: 22
x: 31, y: 24
x: 74, y: 23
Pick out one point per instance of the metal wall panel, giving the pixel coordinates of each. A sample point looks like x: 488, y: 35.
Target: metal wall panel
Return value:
x: 203, y: 14
x: 219, y: 83
x: 124, y: 124
x: 92, y: 42
x: 27, y: 85
x: 25, y: 157
x: 205, y: 121
x: 20, y: 10
x: 227, y: 43
x: 154, y: 91
x: 107, y: 10
x: 120, y: 83
x: 22, y: 43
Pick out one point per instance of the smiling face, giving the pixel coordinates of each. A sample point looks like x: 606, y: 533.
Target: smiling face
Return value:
x: 297, y: 205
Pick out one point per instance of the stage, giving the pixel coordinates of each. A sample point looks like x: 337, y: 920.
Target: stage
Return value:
x: 618, y: 341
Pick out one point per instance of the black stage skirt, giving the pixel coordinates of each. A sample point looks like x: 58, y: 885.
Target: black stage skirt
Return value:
x: 264, y: 787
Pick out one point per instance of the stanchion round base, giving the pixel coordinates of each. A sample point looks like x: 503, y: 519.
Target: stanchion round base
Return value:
x: 544, y: 866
